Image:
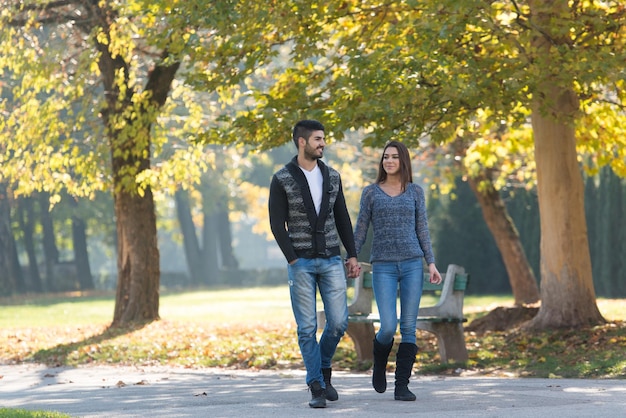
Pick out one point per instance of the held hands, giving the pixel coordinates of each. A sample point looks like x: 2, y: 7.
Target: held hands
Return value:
x: 435, y: 277
x: 354, y: 268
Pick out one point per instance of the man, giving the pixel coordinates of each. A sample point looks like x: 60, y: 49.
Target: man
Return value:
x: 308, y: 217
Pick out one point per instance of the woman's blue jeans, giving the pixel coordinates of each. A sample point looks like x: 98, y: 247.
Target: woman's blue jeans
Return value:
x: 305, y: 276
x: 388, y: 277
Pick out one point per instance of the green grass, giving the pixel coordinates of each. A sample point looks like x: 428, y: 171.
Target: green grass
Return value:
x: 245, y: 305
x: 257, y: 305
x: 219, y: 306
x: 24, y: 312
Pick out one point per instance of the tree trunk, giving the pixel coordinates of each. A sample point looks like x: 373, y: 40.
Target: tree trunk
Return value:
x: 81, y: 254
x: 567, y: 293
x: 27, y: 223
x: 211, y: 272
x: 210, y: 234
x: 225, y: 236
x: 50, y: 250
x: 137, y: 298
x: 521, y: 276
x: 8, y: 281
x: 190, y: 237
x: 18, y: 273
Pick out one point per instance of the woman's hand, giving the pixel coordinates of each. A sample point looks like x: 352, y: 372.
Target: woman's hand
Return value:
x: 435, y: 277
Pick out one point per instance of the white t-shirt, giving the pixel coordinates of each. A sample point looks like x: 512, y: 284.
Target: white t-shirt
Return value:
x: 315, y: 180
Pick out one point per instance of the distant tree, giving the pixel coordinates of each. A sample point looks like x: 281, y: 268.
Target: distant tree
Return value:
x: 461, y: 236
x: 50, y: 249
x: 11, y: 278
x: 191, y: 244
x: 203, y: 214
x: 27, y: 222
x: 80, y: 250
x: 605, y: 195
x: 524, y: 209
x: 490, y: 163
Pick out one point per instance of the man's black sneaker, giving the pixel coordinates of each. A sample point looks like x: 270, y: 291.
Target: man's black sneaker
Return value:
x: 318, y: 395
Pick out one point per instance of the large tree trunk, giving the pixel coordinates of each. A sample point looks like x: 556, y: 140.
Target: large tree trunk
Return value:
x: 567, y: 293
x: 137, y: 298
x: 138, y: 271
x: 521, y: 277
x: 128, y: 120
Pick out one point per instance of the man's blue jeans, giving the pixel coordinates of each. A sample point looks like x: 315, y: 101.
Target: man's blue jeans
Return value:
x: 387, y: 278
x: 305, y: 276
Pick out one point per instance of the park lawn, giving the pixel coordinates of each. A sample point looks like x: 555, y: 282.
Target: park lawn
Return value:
x: 254, y: 328
x: 215, y: 306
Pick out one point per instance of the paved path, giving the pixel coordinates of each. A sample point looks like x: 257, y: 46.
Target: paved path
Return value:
x: 214, y: 393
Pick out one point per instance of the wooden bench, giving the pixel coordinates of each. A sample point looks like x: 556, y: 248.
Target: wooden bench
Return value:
x: 444, y: 319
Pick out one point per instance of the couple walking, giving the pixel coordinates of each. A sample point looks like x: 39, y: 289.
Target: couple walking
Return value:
x: 309, y: 219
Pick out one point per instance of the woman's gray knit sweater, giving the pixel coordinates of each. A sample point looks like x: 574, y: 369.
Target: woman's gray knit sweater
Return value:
x: 400, y: 224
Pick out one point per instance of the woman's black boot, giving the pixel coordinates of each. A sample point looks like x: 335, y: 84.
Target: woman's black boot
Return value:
x: 404, y: 365
x: 379, y: 376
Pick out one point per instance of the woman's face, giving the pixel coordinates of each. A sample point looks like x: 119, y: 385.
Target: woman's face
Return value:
x: 391, y: 161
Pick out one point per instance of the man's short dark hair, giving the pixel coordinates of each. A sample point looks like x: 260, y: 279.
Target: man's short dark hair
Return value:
x: 304, y: 128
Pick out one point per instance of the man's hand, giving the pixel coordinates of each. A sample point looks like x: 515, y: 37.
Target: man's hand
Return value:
x: 353, y: 266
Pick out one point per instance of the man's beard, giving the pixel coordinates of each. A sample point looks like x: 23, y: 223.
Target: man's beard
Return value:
x: 312, y: 155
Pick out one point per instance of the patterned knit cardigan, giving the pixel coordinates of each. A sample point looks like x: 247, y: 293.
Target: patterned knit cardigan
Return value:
x: 298, y: 230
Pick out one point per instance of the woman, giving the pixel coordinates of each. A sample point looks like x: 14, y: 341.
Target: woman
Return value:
x: 396, y: 208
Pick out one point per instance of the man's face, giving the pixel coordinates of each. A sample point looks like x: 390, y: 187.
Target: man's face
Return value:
x: 314, y: 147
